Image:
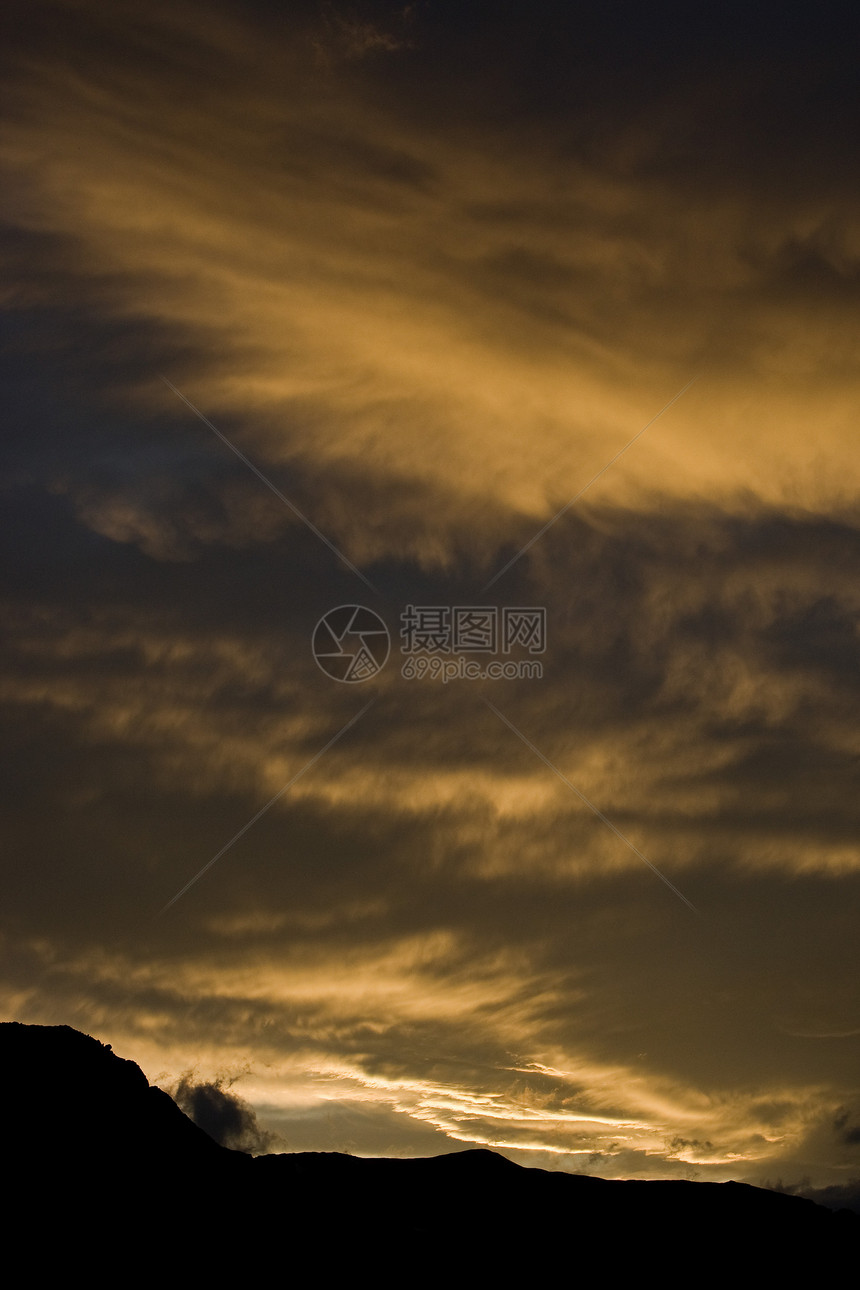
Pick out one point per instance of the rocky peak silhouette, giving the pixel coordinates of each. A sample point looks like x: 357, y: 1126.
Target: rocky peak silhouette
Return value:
x: 91, y: 1147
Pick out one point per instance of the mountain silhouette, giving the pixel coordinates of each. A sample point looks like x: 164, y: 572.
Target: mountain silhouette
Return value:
x: 99, y: 1165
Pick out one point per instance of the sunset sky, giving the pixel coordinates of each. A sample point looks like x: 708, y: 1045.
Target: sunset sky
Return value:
x: 321, y: 304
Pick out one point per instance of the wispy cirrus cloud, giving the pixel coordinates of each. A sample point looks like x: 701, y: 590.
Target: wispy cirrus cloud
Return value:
x: 378, y: 305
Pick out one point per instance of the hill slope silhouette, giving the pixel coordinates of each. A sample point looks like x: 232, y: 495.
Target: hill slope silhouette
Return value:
x: 102, y: 1166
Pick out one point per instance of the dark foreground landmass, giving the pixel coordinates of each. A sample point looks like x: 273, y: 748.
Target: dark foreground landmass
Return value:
x: 108, y: 1177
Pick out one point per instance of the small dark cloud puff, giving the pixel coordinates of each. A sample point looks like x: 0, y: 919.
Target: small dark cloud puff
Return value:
x: 218, y: 1111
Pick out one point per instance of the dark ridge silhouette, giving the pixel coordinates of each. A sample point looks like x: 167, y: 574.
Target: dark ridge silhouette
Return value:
x: 104, y: 1170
